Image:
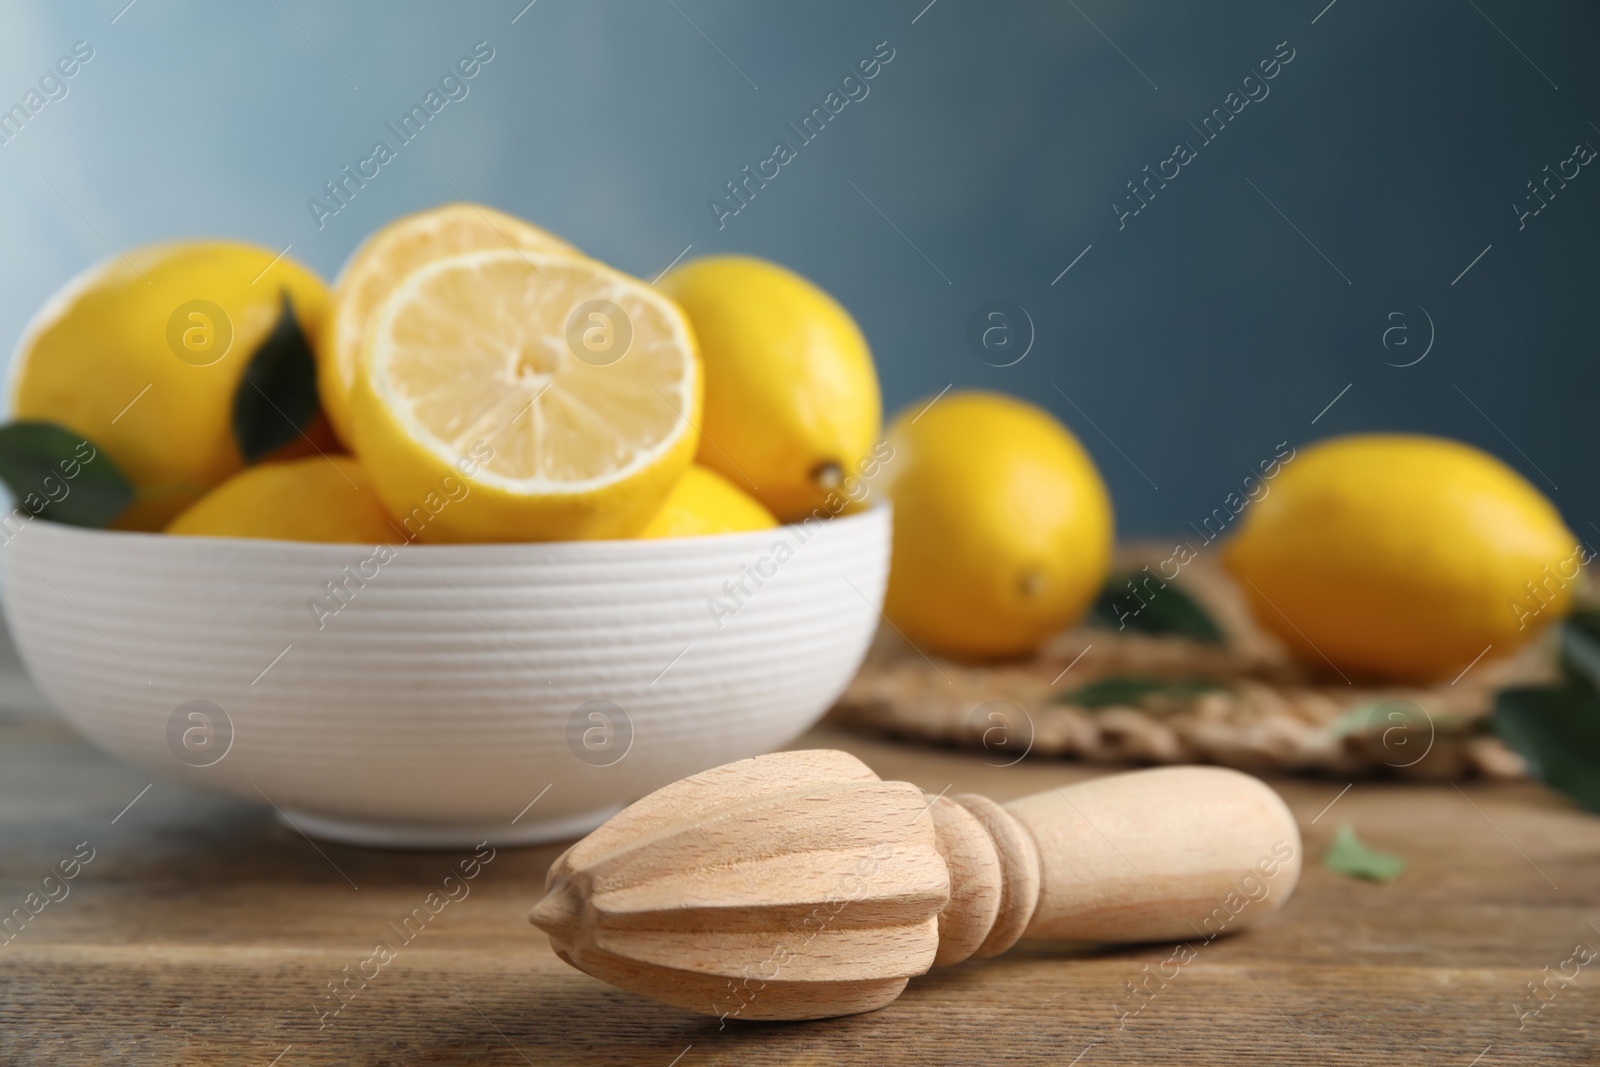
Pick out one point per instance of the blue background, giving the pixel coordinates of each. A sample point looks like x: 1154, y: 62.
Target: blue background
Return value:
x: 1180, y: 348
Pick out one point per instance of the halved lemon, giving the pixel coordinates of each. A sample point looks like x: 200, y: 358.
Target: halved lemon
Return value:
x: 525, y: 396
x: 378, y: 264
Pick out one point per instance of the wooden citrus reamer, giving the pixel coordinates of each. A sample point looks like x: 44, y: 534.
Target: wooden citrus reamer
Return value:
x: 800, y: 886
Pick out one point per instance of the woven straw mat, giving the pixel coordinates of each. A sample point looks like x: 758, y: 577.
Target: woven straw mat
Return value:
x: 1268, y: 713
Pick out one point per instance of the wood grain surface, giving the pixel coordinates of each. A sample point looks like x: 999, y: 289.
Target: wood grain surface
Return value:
x: 203, y: 931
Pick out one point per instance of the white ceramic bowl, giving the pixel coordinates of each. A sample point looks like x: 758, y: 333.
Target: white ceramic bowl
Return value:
x: 455, y: 684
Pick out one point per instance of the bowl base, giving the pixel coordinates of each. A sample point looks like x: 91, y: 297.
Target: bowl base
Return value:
x: 375, y: 834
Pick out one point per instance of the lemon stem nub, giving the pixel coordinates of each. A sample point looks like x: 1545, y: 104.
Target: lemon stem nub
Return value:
x: 827, y: 475
x: 1032, y: 584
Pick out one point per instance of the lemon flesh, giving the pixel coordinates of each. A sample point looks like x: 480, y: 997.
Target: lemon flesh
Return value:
x: 118, y: 357
x: 324, y: 498
x: 559, y: 395
x: 705, y: 503
x: 1002, y: 525
x: 1403, y: 557
x: 382, y: 260
x: 792, y: 404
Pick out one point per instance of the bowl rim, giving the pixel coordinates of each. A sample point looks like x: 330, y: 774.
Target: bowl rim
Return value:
x: 874, y: 515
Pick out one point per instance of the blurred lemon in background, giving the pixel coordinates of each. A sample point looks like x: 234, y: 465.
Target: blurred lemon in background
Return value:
x: 1002, y: 526
x: 378, y: 264
x: 561, y: 392
x: 143, y: 355
x: 1403, y: 557
x: 703, y: 503
x: 791, y: 402
x: 324, y: 498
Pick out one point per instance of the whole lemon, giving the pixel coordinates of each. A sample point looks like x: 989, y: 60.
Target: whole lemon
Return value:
x: 703, y: 503
x: 791, y: 402
x: 1403, y: 557
x: 143, y: 355
x: 324, y: 498
x: 1002, y: 526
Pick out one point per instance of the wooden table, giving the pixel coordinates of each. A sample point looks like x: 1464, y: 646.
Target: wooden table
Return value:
x: 204, y: 932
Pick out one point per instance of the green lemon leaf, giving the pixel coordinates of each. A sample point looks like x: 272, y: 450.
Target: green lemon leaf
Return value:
x: 1131, y: 690
x: 1348, y: 855
x: 1159, y: 608
x: 55, y: 474
x: 277, y: 395
x: 1580, y: 648
x: 1557, y: 730
x: 1385, y: 717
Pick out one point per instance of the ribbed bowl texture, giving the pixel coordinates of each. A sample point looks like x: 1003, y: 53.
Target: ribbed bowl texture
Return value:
x: 443, y: 695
